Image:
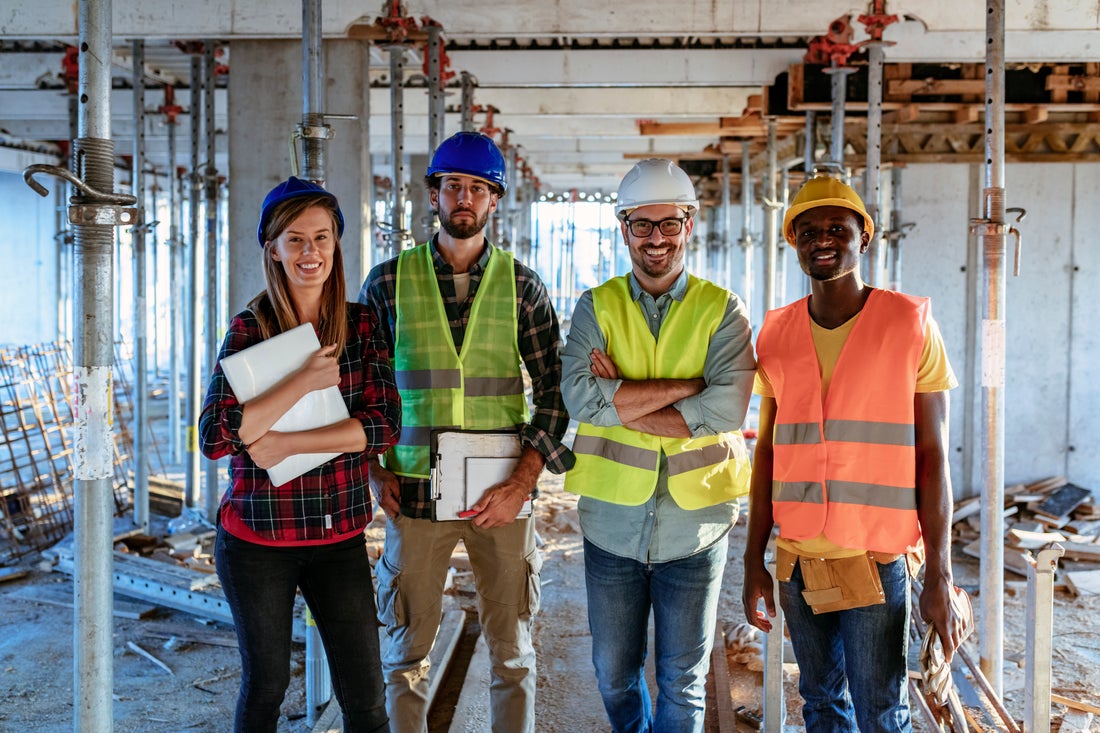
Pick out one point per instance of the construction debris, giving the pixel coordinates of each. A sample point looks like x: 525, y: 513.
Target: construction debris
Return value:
x: 1038, y: 515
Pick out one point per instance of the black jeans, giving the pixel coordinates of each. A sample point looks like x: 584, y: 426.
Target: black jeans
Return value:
x: 259, y: 583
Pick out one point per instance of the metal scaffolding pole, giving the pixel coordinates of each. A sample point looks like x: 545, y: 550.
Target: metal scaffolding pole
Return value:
x: 809, y: 150
x: 436, y: 102
x: 991, y: 234
x: 194, y: 323
x: 315, y: 133
x: 212, y: 275
x: 897, y: 229
x: 397, y: 146
x: 726, y: 267
x: 467, y: 101
x: 771, y: 221
x: 511, y: 200
x: 872, y: 191
x: 1040, y: 628
x: 781, y: 252
x: 313, y: 130
x: 175, y: 300
x: 839, y: 76
x: 746, y: 225
x: 96, y: 211
x: 141, y: 324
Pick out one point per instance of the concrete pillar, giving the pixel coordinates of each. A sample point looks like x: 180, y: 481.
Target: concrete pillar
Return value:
x: 264, y: 105
x: 423, y: 220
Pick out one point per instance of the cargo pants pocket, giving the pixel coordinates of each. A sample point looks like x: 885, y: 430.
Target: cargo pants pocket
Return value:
x: 534, y: 584
x: 391, y: 604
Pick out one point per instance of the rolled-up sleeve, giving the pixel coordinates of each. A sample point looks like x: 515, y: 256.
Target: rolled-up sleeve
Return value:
x: 729, y: 370
x: 589, y: 398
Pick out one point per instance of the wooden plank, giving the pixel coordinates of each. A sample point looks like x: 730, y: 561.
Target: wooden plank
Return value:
x: 1027, y: 540
x: 1086, y: 582
x: 1086, y: 707
x: 1082, y: 551
x: 1063, y: 501
x: 1075, y: 722
x: 721, y: 718
x: 912, y: 87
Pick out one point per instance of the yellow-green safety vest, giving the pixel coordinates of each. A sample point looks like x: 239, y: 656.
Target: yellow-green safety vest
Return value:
x: 620, y: 465
x: 480, y: 388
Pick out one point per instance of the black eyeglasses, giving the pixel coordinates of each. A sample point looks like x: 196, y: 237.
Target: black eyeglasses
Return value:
x: 644, y: 227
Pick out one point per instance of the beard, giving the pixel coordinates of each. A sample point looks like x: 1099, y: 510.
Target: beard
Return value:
x: 465, y: 229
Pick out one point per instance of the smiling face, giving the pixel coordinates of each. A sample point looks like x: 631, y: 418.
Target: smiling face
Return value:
x: 658, y: 258
x: 829, y: 241
x: 305, y: 250
x: 464, y: 204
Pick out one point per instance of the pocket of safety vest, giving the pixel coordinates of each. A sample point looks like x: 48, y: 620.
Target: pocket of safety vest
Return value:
x: 840, y: 583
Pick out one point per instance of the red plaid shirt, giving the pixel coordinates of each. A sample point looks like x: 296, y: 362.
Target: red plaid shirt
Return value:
x: 333, y: 500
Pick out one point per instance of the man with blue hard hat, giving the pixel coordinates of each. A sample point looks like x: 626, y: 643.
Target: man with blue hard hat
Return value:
x: 461, y: 315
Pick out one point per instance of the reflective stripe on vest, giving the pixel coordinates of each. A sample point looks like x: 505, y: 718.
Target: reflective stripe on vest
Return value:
x: 620, y: 465
x: 847, y: 468
x: 479, y: 389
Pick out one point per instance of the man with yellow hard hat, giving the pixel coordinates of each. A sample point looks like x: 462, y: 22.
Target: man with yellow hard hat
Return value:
x: 851, y: 464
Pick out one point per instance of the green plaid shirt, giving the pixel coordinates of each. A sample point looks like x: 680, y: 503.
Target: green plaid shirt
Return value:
x: 539, y: 344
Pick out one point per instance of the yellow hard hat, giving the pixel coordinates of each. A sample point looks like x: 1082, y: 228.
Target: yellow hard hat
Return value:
x: 824, y: 190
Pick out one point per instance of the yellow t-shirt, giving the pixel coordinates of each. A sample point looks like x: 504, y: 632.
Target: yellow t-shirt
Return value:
x: 934, y: 374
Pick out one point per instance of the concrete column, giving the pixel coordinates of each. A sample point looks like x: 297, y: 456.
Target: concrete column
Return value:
x: 423, y: 220
x: 264, y: 106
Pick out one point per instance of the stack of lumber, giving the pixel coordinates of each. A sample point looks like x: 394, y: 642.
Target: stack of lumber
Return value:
x: 1039, y: 515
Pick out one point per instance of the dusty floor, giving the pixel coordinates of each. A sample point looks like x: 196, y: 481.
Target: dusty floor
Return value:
x: 36, y: 651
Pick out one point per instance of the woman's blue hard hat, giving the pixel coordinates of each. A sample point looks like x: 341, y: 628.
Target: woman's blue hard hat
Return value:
x: 289, y: 189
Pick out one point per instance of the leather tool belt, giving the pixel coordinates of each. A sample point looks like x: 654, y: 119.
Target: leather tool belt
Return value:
x: 836, y: 584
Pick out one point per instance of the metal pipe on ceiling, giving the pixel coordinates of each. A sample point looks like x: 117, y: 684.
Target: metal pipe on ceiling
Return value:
x: 140, y: 313
x: 991, y: 236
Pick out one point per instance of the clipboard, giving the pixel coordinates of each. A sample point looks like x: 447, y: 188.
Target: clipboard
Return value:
x: 464, y: 464
x: 258, y: 368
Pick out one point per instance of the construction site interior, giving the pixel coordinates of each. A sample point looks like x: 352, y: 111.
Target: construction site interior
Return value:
x: 953, y: 118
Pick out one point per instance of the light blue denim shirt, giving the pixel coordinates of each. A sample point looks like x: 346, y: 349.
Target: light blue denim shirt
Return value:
x: 659, y: 530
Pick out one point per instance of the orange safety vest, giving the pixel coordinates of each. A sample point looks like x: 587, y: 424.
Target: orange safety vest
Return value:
x: 847, y: 468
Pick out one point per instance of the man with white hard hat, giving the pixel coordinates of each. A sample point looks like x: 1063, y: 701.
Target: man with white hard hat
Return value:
x: 658, y: 370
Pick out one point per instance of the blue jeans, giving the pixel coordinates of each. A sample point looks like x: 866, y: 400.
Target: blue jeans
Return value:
x: 259, y: 583
x: 852, y: 664
x: 683, y: 595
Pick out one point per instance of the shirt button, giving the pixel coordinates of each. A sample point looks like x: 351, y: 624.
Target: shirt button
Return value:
x: 651, y: 514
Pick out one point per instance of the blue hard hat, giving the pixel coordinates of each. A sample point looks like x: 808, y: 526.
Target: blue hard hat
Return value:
x: 292, y: 188
x: 469, y: 154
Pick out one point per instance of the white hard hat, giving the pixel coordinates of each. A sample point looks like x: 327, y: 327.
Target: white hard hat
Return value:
x: 656, y: 181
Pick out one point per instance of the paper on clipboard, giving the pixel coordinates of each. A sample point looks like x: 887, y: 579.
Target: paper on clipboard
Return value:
x: 258, y: 368
x: 468, y: 463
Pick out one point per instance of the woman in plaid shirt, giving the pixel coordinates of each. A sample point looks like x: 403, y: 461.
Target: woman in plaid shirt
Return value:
x: 307, y: 533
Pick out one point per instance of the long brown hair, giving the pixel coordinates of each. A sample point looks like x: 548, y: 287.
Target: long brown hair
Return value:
x: 274, y: 308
